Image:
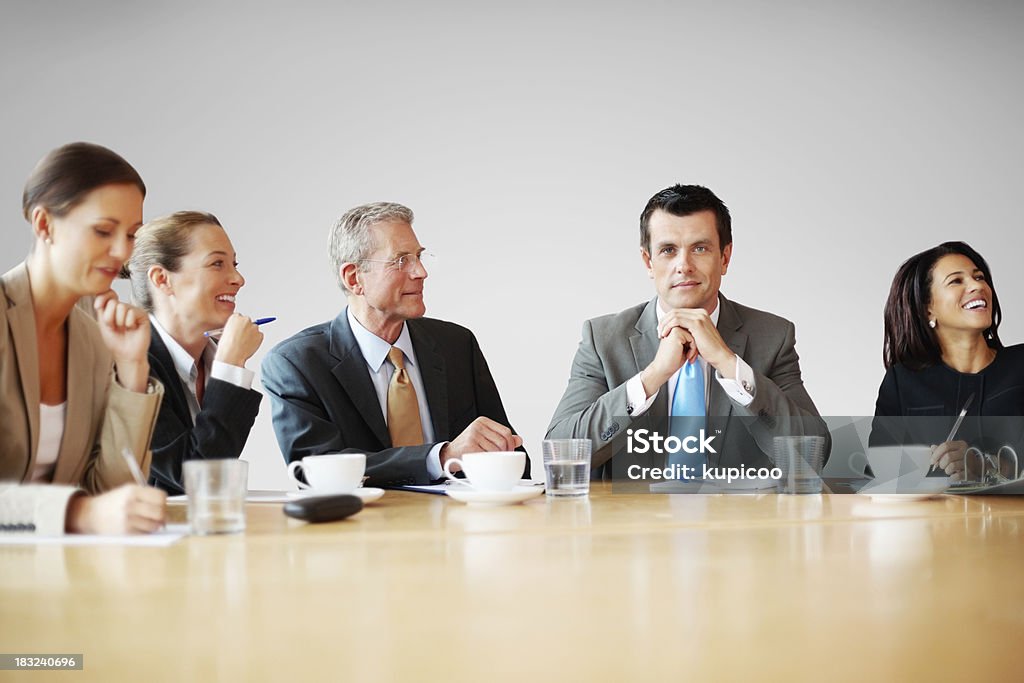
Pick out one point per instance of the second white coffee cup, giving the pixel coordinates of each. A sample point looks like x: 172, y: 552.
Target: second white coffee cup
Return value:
x: 330, y: 473
x: 495, y: 471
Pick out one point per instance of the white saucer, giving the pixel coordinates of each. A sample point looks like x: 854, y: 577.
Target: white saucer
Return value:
x: 714, y: 486
x: 367, y: 494
x: 467, y: 494
x: 902, y: 497
x: 742, y: 485
x: 892, y: 492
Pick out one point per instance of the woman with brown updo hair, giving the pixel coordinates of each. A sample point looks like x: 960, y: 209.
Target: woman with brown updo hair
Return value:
x: 75, y: 392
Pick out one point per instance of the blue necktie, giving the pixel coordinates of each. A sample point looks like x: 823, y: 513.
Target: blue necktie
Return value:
x: 688, y: 416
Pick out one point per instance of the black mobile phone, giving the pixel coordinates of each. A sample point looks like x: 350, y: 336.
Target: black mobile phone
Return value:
x: 323, y: 508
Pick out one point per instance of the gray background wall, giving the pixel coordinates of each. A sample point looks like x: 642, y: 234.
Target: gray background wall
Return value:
x: 527, y: 138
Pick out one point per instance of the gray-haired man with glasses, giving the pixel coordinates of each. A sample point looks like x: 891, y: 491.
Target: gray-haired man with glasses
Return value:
x: 409, y: 392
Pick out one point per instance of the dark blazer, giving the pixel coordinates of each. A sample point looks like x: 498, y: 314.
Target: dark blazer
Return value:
x: 324, y: 402
x: 920, y: 407
x: 616, y: 347
x: 220, y: 429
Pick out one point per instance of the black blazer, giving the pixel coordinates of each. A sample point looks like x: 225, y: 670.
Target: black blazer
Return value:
x: 920, y: 407
x: 220, y: 430
x: 323, y: 400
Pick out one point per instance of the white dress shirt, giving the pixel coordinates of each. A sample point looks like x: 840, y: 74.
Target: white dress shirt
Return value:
x: 375, y: 353
x: 736, y: 389
x: 188, y: 372
x: 51, y: 432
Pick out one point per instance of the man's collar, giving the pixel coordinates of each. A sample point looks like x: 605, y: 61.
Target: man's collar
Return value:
x: 374, y: 349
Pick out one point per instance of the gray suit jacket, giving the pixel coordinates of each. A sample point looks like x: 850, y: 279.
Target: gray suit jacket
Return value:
x: 102, y: 417
x: 616, y: 347
x: 324, y: 402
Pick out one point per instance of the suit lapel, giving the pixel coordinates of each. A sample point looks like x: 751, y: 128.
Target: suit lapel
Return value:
x: 22, y: 322
x: 729, y: 327
x: 645, y: 346
x: 78, y: 416
x: 164, y: 368
x: 435, y: 383
x: 354, y: 377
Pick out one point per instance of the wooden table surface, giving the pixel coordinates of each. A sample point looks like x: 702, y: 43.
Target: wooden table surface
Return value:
x: 611, y: 588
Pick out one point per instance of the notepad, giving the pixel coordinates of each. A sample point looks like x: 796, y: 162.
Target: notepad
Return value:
x: 169, y: 535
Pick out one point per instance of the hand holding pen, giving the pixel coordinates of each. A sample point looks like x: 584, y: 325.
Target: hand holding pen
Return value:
x: 128, y: 509
x: 949, y: 456
x: 239, y: 339
x: 220, y: 330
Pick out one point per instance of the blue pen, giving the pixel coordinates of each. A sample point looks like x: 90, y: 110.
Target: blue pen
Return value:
x: 219, y: 331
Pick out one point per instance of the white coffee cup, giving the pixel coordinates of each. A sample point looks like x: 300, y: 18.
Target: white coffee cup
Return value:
x: 330, y: 473
x: 885, y: 463
x: 495, y: 471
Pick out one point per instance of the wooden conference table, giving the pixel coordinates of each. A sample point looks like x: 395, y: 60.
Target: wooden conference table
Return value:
x: 614, y: 588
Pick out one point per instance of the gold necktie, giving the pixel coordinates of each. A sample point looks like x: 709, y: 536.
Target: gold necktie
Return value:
x: 403, y: 409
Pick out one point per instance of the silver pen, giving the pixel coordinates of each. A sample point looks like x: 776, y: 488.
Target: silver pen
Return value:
x: 133, y: 466
x: 956, y: 425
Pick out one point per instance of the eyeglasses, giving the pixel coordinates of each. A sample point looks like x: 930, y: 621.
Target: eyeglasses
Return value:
x: 405, y: 263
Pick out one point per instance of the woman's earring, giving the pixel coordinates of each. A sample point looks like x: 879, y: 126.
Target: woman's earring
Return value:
x: 932, y: 323
x: 49, y: 241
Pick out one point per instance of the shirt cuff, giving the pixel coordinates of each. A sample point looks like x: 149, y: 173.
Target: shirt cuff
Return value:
x: 232, y: 374
x: 637, y: 400
x: 34, y: 508
x: 151, y: 384
x: 742, y: 389
x: 434, y: 470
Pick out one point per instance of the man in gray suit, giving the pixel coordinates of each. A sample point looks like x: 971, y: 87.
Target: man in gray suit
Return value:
x: 409, y: 392
x: 629, y: 364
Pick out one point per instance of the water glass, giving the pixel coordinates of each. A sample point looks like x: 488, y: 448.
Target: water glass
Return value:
x: 567, y: 467
x: 216, y: 495
x: 799, y: 458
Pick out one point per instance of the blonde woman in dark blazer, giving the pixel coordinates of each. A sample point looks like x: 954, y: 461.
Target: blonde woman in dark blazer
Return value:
x: 184, y: 273
x: 74, y: 390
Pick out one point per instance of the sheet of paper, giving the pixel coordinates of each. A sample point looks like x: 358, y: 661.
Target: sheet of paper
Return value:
x: 169, y: 535
x: 445, y: 485
x: 254, y: 496
x: 432, y: 488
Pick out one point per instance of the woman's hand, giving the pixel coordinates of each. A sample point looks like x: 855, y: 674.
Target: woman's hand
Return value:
x: 239, y: 341
x: 128, y: 509
x: 949, y: 457
x: 125, y: 331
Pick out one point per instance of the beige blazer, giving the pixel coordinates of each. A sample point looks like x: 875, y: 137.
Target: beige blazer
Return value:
x: 102, y: 417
